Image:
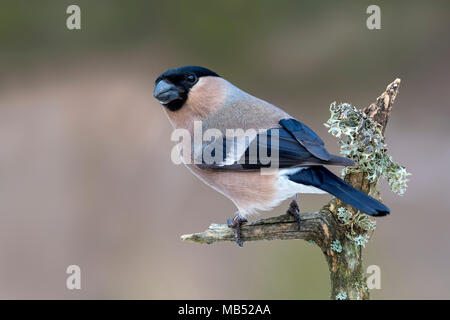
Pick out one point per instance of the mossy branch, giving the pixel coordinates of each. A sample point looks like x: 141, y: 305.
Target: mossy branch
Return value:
x: 338, y: 229
x: 313, y: 226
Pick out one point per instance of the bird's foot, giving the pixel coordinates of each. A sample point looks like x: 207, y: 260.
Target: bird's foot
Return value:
x: 235, y: 224
x: 295, y: 212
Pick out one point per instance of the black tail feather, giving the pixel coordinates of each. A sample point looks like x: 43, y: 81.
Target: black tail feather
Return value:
x: 320, y: 177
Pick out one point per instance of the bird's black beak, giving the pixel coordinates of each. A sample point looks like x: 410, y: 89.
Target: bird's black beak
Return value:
x: 166, y: 92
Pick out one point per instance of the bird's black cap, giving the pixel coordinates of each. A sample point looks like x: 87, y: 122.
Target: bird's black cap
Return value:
x: 183, y: 71
x: 172, y: 87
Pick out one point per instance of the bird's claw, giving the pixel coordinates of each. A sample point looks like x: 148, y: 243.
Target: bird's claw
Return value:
x: 235, y: 224
x: 295, y: 212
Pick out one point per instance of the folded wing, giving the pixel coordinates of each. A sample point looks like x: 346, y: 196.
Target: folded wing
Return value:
x: 291, y: 145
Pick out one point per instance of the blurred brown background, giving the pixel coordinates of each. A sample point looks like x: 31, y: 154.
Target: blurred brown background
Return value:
x: 85, y: 170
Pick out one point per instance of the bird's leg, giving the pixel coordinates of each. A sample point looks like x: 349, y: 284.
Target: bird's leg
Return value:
x: 235, y: 224
x: 294, y: 210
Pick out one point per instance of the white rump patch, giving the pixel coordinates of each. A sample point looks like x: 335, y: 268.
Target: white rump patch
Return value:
x: 287, y: 188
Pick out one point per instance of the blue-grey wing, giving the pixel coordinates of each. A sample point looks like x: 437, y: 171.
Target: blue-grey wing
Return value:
x: 291, y: 145
x: 306, y: 137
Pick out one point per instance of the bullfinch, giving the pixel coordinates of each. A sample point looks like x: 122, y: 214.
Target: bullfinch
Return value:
x: 198, y: 99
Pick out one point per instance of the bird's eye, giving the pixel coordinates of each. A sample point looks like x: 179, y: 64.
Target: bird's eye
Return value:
x: 191, y: 78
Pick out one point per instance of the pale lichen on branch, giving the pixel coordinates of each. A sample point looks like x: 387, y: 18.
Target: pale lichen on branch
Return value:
x: 362, y: 140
